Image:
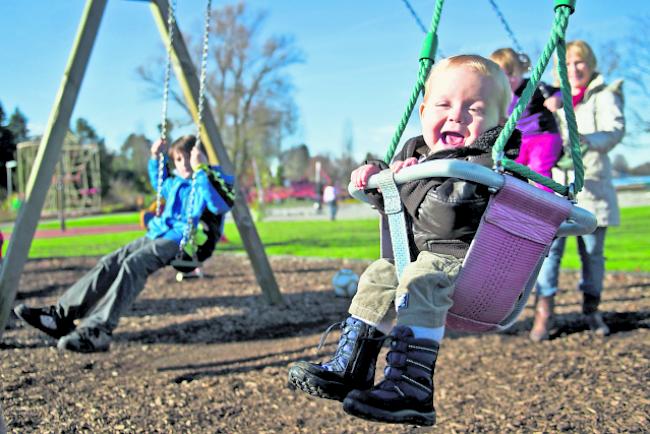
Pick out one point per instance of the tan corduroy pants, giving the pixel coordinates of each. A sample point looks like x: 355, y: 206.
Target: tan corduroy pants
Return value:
x: 423, y: 297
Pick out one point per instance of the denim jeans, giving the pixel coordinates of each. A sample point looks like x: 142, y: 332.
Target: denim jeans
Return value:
x: 100, y: 297
x: 591, y: 249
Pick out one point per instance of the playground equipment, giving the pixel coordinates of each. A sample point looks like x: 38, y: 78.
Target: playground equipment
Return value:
x: 76, y: 186
x: 198, y: 242
x: 50, y: 148
x: 521, y: 220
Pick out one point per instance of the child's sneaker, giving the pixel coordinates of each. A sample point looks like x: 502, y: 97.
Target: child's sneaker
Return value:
x: 406, y: 393
x: 46, y: 319
x: 86, y: 340
x: 352, y: 367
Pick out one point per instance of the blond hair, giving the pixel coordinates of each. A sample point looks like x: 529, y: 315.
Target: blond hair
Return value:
x: 480, y: 65
x: 584, y: 51
x: 510, y: 61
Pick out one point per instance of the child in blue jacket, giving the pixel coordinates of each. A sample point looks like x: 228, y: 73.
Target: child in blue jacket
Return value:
x: 100, y: 297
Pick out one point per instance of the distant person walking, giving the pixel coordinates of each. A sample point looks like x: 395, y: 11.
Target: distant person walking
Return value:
x: 329, y: 198
x: 601, y: 125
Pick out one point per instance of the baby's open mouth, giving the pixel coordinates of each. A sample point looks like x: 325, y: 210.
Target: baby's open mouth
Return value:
x: 450, y: 138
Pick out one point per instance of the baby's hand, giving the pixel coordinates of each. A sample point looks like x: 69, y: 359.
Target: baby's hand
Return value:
x: 157, y: 147
x: 399, y: 165
x: 553, y: 103
x: 359, y: 177
x: 197, y: 158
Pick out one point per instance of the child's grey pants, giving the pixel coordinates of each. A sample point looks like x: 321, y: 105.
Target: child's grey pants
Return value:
x: 423, y: 297
x: 100, y: 297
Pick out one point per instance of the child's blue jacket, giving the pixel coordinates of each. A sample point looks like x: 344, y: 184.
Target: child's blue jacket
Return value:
x: 176, y: 192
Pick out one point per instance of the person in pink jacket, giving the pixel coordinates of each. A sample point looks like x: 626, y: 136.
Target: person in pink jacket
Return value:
x: 541, y: 142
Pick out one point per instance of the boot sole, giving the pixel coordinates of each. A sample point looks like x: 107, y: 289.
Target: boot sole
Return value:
x: 311, y: 384
x: 410, y: 417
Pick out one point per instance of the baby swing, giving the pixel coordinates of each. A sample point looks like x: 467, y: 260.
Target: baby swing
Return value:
x: 521, y: 220
x: 198, y: 243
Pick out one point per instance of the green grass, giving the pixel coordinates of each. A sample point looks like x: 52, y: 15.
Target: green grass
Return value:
x: 87, y: 245
x: 627, y: 246
x: 90, y: 221
x: 353, y: 239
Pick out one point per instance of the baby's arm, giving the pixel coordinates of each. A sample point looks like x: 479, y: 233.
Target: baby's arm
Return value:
x: 359, y: 176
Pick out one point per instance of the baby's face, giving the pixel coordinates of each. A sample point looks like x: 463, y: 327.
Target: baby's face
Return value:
x: 461, y: 105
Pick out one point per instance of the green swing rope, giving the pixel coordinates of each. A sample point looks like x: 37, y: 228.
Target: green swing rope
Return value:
x: 427, y: 57
x: 563, y: 9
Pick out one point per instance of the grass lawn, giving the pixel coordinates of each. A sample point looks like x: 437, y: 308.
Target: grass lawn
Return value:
x: 627, y: 246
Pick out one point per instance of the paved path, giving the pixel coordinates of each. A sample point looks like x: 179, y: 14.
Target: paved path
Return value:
x: 347, y: 211
x: 73, y: 232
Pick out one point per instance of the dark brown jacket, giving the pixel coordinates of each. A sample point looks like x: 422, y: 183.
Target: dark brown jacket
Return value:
x: 443, y: 214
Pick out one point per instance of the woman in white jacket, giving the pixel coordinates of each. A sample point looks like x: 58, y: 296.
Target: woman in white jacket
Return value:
x: 601, y: 125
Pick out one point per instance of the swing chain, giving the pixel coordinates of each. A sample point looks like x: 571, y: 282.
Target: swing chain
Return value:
x: 190, y: 231
x: 171, y: 7
x: 511, y: 34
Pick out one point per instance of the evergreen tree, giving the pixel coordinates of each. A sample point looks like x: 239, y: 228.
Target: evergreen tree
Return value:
x: 7, y: 147
x: 18, y: 126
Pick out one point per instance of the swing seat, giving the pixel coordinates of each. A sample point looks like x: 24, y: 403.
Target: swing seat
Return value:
x: 513, y: 238
x: 503, y: 261
x: 212, y: 226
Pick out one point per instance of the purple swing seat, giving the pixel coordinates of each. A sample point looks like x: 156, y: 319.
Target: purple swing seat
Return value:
x: 501, y: 266
x: 504, y: 258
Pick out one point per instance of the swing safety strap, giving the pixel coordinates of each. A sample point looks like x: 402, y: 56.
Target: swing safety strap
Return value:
x: 396, y: 221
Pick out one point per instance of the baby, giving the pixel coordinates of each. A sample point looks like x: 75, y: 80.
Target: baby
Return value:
x: 465, y: 102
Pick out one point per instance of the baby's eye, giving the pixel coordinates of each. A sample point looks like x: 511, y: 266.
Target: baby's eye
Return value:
x: 476, y: 109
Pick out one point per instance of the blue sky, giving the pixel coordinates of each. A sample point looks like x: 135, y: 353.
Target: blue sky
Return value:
x: 361, y: 59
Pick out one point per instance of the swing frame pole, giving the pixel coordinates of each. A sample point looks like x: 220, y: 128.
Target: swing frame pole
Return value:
x: 47, y: 156
x: 211, y: 140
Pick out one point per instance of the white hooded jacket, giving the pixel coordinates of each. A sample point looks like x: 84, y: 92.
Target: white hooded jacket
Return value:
x: 601, y: 125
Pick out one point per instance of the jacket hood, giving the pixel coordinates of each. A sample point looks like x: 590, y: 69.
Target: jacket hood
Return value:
x: 598, y: 83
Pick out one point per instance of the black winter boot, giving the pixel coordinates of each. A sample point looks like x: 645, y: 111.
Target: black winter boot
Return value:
x: 406, y: 393
x: 352, y: 367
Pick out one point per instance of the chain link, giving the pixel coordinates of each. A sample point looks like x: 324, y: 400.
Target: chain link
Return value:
x: 515, y: 42
x: 189, y: 232
x: 171, y: 8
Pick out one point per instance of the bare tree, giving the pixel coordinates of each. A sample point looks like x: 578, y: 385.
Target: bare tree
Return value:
x: 248, y: 86
x: 636, y: 66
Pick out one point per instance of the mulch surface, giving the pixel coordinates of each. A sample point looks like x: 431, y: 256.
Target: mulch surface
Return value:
x: 210, y: 356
